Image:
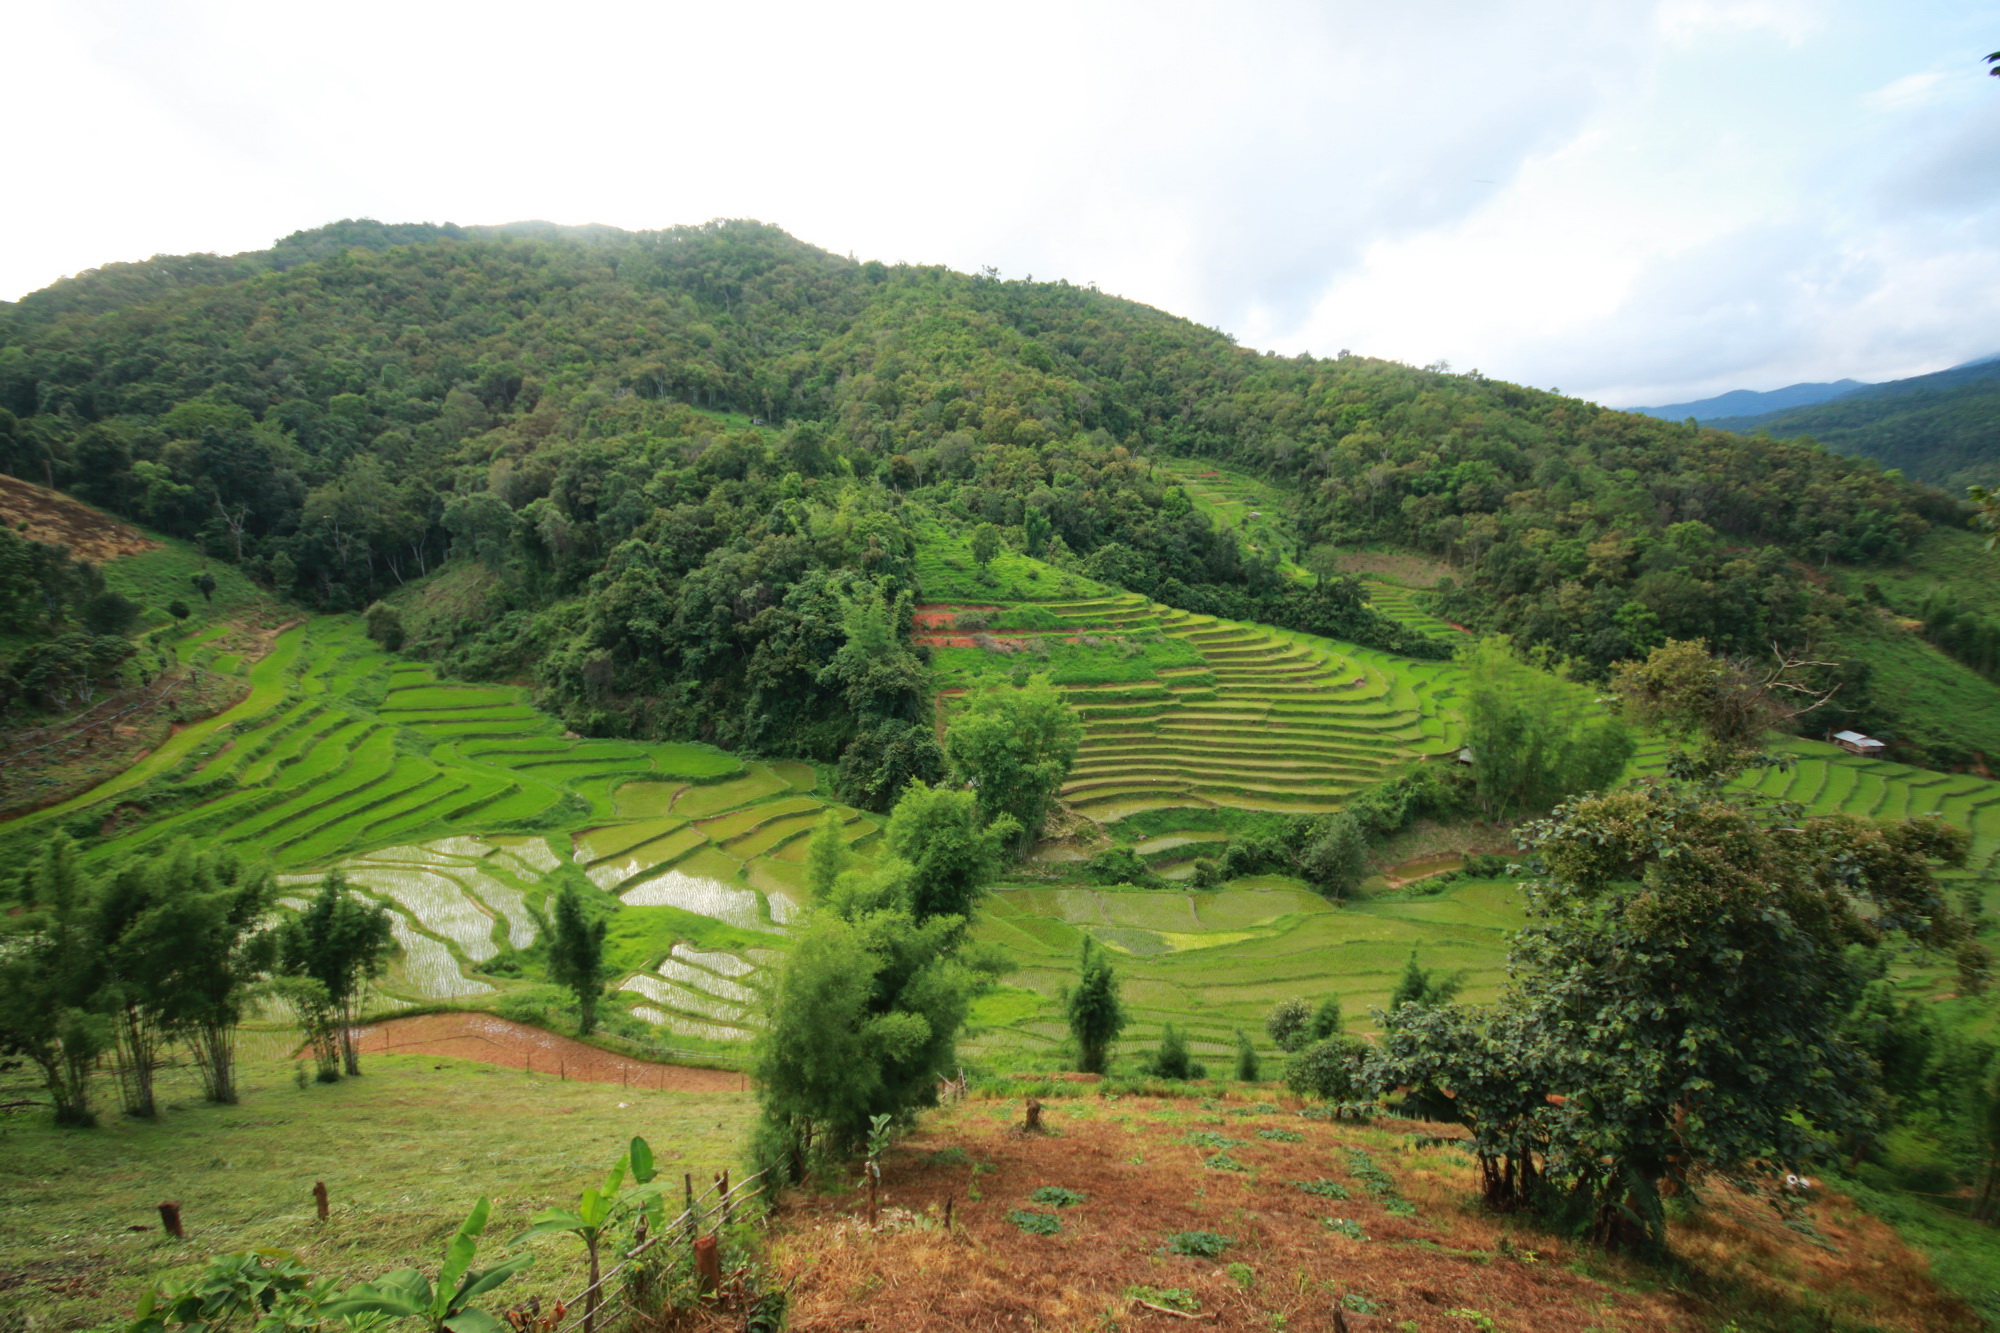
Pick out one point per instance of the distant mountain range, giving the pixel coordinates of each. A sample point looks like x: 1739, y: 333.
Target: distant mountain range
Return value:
x: 1942, y: 428
x: 1750, y: 402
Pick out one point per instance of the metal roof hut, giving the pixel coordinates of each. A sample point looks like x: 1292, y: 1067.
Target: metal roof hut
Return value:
x: 1855, y: 743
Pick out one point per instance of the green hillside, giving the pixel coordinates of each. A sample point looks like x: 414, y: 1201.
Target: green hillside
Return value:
x: 1937, y: 428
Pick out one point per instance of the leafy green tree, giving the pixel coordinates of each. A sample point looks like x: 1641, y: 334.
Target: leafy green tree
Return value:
x: 1329, y: 1069
x: 576, y: 953
x: 1014, y: 747
x: 341, y: 942
x: 1336, y: 859
x: 51, y: 978
x: 1290, y: 1024
x: 863, y: 1020
x: 1423, y: 987
x: 1715, y: 715
x: 1535, y: 738
x: 985, y: 544
x: 1988, y: 502
x: 1096, y: 1015
x: 943, y: 852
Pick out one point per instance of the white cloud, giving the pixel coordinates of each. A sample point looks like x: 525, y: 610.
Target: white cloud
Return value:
x: 1620, y: 198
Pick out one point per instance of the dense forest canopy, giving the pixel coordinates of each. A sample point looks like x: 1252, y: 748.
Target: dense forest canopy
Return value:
x: 677, y: 476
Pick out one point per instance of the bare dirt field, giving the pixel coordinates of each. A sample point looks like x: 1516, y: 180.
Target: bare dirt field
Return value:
x: 57, y: 519
x: 495, y: 1041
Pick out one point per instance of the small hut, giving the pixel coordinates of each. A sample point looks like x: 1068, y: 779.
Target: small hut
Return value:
x: 1855, y: 743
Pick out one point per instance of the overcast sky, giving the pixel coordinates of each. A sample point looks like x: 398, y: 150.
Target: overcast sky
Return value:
x: 1635, y: 201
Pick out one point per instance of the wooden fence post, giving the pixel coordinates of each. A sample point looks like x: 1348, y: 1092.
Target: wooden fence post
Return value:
x: 319, y: 1198
x: 170, y: 1218
x: 1034, y: 1124
x: 723, y: 1200
x: 707, y: 1265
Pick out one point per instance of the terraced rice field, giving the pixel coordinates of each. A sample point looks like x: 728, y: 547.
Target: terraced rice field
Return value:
x: 1250, y: 717
x: 454, y: 804
x: 1214, y: 962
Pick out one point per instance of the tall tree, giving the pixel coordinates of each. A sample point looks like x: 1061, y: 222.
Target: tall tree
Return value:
x: 1015, y: 747
x: 340, y: 942
x: 51, y: 981
x: 1535, y: 738
x: 576, y: 954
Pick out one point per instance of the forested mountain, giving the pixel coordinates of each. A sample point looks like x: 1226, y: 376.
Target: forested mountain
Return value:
x: 1752, y: 402
x: 678, y: 478
x: 1943, y: 428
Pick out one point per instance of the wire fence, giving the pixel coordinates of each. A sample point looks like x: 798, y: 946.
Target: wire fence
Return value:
x: 699, y: 1220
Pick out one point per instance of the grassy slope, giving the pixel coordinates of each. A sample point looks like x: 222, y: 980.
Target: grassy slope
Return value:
x: 405, y: 1151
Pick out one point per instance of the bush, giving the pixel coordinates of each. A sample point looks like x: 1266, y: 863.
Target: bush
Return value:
x: 1171, y: 1060
x: 1326, y: 1020
x: 1327, y: 1069
x: 1207, y: 874
x: 1290, y: 1024
x: 1247, y: 1067
x: 1120, y: 865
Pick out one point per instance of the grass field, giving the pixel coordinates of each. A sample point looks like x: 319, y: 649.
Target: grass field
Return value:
x: 405, y: 1151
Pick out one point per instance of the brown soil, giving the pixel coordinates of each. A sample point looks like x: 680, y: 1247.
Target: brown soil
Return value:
x: 57, y: 519
x: 496, y: 1041
x: 1450, y: 1265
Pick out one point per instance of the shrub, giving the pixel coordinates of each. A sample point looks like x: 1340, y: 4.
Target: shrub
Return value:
x: 1207, y: 874
x: 1058, y: 1197
x: 1247, y: 1067
x: 1290, y: 1024
x: 1171, y: 1060
x: 1326, y: 1020
x: 1327, y: 1069
x: 1120, y: 865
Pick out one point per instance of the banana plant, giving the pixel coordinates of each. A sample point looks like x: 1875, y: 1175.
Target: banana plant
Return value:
x: 447, y: 1304
x: 600, y: 1211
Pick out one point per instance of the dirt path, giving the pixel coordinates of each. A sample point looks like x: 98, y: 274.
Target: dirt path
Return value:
x: 495, y: 1041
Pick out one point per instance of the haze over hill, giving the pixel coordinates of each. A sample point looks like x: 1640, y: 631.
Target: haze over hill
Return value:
x: 1750, y: 402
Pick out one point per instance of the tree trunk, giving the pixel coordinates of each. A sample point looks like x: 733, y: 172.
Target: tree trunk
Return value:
x: 214, y: 1047
x: 138, y: 1055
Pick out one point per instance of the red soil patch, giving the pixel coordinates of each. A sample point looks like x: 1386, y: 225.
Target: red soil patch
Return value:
x: 931, y: 615
x: 495, y: 1041
x: 60, y: 521
x: 1144, y: 1178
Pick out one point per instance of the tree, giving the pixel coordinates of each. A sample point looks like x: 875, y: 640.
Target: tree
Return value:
x: 204, y: 583
x: 1336, y: 859
x: 942, y: 850
x: 51, y: 974
x: 827, y: 856
x: 1290, y: 1024
x: 1987, y: 499
x: 1095, y: 1014
x: 340, y: 942
x: 1716, y: 713
x: 1423, y: 987
x: 985, y: 544
x: 1329, y: 1069
x: 864, y: 1017
x: 179, y: 610
x: 1535, y: 737
x: 1014, y: 747
x: 576, y: 954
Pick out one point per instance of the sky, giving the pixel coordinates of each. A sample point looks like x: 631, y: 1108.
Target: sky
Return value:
x: 1635, y: 201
